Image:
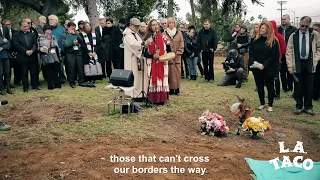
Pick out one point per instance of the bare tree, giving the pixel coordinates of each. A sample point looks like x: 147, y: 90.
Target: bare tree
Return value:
x: 193, y: 12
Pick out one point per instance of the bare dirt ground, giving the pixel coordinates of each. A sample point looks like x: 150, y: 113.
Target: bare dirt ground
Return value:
x: 60, y: 153
x: 89, y: 159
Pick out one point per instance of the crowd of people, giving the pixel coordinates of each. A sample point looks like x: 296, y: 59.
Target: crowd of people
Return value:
x: 61, y: 52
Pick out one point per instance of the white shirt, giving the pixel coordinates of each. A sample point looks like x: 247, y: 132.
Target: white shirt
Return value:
x: 10, y: 34
x: 100, y: 27
x: 1, y: 30
x: 307, y: 44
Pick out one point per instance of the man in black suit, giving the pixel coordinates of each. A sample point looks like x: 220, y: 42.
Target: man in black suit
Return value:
x: 98, y: 29
x: 13, y: 55
x: 118, y: 49
x: 207, y: 44
x: 26, y: 44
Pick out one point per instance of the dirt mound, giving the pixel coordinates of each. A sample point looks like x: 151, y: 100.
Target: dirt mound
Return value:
x: 44, y: 110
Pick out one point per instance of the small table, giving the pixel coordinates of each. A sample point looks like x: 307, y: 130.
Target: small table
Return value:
x: 120, y: 99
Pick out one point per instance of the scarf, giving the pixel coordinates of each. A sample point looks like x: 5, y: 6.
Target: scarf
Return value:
x: 171, y: 32
x: 157, y: 70
x: 91, y: 49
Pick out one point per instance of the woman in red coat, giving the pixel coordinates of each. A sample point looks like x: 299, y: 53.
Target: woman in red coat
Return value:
x: 283, y: 48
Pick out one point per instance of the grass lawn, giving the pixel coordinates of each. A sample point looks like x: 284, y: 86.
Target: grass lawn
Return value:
x: 73, y: 126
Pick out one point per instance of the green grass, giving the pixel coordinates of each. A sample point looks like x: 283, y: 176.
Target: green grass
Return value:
x: 149, y: 124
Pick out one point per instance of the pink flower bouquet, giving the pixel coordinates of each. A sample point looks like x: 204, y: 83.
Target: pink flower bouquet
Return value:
x: 213, y: 124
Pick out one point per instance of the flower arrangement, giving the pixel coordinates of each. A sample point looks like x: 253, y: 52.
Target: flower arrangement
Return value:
x: 256, y: 125
x: 213, y: 124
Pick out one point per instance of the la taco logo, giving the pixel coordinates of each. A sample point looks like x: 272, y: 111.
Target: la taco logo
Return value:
x: 307, y: 164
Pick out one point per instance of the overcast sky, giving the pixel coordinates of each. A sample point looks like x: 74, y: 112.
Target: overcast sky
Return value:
x: 301, y: 8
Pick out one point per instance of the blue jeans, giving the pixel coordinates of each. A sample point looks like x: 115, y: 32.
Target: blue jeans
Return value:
x: 193, y: 65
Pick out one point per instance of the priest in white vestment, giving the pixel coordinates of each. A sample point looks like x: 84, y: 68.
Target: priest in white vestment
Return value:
x: 132, y: 53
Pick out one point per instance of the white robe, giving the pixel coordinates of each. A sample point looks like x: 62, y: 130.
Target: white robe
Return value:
x: 133, y: 50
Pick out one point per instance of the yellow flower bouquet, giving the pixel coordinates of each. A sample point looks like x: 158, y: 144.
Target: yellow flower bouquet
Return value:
x: 256, y: 126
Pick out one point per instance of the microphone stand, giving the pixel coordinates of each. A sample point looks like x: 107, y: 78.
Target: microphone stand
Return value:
x: 145, y: 98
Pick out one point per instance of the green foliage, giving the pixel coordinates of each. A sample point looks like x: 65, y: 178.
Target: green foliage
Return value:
x: 17, y: 12
x: 128, y: 9
x: 63, y: 14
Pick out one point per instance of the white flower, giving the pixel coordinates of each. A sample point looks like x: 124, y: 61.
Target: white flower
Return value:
x: 254, y: 120
x: 234, y: 107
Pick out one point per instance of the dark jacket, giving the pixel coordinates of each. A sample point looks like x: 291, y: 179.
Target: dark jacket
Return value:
x: 117, y: 36
x: 107, y: 45
x: 5, y: 32
x: 268, y: 56
x: 244, y: 41
x: 98, y: 32
x: 4, y: 54
x: 69, y: 47
x: 190, y: 46
x: 39, y: 29
x: 85, y: 50
x: 25, y: 41
x: 233, y: 63
x: 286, y: 32
x: 207, y: 39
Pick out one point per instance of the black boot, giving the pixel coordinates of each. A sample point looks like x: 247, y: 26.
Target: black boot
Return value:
x: 177, y: 92
x: 171, y: 92
x: 195, y: 77
x: 9, y: 90
x: 3, y: 92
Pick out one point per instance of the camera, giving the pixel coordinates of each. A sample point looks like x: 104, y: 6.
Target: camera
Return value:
x: 226, y: 65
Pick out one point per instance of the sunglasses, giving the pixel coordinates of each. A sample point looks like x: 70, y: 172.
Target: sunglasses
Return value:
x: 29, y: 22
x: 304, y: 26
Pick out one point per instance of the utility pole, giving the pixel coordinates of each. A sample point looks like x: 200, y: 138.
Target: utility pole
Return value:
x: 294, y: 17
x: 281, y: 9
x: 297, y: 25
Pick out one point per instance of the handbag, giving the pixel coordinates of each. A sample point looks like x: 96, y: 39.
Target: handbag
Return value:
x: 93, y: 69
x: 47, y: 59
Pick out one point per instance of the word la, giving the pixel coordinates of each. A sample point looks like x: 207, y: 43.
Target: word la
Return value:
x: 307, y: 164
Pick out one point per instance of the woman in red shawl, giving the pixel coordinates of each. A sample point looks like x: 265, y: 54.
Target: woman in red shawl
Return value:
x: 157, y: 72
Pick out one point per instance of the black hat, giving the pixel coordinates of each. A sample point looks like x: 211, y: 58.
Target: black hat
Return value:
x: 46, y: 27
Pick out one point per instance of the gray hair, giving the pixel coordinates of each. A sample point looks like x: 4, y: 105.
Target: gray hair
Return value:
x: 6, y: 20
x: 307, y: 18
x: 102, y: 19
x: 287, y: 15
x: 40, y: 17
x: 54, y: 17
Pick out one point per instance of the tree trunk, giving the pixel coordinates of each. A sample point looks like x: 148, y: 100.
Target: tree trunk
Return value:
x: 93, y: 13
x: 170, y: 8
x: 193, y: 13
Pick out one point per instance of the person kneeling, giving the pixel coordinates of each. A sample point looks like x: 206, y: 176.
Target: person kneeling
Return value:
x: 233, y: 66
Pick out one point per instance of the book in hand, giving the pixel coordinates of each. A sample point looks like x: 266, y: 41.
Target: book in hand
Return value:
x: 255, y: 65
x: 70, y: 38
